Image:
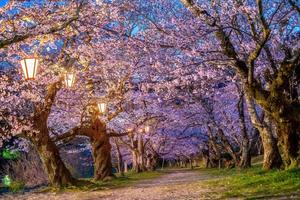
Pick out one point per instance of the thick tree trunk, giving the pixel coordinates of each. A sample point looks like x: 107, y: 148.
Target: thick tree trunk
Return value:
x: 135, y: 161
x: 272, y: 157
x: 245, y: 161
x: 101, y: 149
x: 289, y: 141
x: 58, y: 174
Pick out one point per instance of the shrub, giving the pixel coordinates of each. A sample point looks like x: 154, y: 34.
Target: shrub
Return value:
x: 16, y: 186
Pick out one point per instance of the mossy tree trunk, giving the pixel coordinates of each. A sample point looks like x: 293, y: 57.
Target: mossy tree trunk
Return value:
x: 289, y: 142
x: 101, y: 147
x: 272, y: 157
x: 101, y: 150
x: 58, y: 174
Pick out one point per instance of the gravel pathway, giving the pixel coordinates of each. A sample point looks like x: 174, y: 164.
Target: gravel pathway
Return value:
x: 174, y: 185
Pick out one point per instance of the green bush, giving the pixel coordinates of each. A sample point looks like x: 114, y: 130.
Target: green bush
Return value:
x: 10, y: 155
x: 16, y: 186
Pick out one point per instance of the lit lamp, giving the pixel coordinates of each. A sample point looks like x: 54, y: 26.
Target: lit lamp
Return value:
x: 69, y: 79
x: 141, y: 130
x: 147, y: 129
x: 102, y: 107
x: 29, y: 67
x: 130, y: 131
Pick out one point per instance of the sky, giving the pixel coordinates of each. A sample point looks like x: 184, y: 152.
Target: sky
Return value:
x: 3, y: 2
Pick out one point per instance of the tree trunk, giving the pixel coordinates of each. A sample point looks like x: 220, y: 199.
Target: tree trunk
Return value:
x: 141, y: 160
x: 289, y: 141
x: 191, y: 164
x: 151, y: 161
x: 101, y: 149
x: 245, y: 159
x: 136, y: 162
x: 272, y: 158
x: 58, y: 174
x: 135, y: 156
x: 225, y: 143
x: 148, y: 163
x: 120, y: 160
x: 246, y: 156
x: 125, y: 167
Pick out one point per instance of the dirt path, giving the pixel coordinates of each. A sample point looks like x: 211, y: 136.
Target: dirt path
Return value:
x: 174, y: 185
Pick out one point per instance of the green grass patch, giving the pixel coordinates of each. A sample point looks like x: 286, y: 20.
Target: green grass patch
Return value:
x: 128, y: 179
x: 255, y: 183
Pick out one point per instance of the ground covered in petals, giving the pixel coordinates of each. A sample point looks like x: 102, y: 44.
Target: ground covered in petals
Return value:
x: 173, y: 184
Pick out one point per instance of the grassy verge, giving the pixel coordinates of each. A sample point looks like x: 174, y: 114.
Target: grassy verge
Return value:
x: 128, y: 179
x: 255, y: 183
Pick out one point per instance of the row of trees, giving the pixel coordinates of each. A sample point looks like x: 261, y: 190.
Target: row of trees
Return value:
x: 208, y: 77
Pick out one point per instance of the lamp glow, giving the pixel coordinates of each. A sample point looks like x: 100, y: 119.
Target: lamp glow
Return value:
x: 147, y: 129
x: 69, y: 79
x: 141, y: 130
x: 102, y: 107
x: 29, y: 67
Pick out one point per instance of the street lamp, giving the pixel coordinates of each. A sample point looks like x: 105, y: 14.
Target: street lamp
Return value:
x: 129, y: 130
x: 69, y: 79
x: 102, y: 107
x: 147, y: 129
x: 141, y: 130
x: 29, y: 67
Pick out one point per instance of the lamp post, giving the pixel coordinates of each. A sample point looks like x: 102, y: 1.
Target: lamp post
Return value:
x: 29, y: 67
x: 69, y: 79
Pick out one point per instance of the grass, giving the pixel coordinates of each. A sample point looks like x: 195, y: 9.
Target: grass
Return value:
x: 255, y: 183
x: 128, y: 179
